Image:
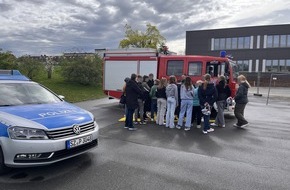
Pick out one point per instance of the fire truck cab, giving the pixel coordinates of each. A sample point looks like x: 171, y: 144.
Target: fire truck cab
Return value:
x: 121, y: 63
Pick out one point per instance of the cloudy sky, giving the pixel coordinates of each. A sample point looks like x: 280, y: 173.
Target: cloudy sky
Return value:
x: 53, y: 27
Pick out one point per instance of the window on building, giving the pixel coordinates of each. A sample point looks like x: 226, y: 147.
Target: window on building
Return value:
x: 275, y: 65
x: 268, y: 66
x: 234, y: 43
x: 216, y: 44
x: 243, y: 65
x: 276, y: 41
x: 222, y: 43
x: 194, y: 68
x: 288, y: 65
x: 283, y: 40
x: 247, y: 42
x: 240, y: 43
x: 269, y: 41
x: 175, y: 67
x: 228, y: 43
x: 282, y: 66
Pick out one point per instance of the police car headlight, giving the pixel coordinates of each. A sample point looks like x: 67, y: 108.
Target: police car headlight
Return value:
x: 22, y: 133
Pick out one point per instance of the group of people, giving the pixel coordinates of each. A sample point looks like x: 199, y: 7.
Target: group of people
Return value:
x: 167, y: 100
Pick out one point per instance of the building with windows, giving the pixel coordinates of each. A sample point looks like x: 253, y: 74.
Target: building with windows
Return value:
x: 258, y: 50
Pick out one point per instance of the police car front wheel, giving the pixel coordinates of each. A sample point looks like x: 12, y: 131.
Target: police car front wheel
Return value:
x: 3, y: 168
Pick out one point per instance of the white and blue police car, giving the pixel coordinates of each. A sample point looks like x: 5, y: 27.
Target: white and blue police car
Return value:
x: 37, y: 127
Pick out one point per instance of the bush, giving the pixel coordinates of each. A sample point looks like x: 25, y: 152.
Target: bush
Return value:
x: 84, y: 70
x: 7, y: 60
x: 30, y: 67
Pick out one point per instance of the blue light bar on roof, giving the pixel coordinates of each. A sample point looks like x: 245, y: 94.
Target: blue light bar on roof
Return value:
x: 12, y: 75
x: 223, y: 53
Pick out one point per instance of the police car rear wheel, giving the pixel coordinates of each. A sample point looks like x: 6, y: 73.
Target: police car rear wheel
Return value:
x: 3, y: 168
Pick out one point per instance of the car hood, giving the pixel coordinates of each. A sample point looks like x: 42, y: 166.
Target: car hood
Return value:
x: 45, y: 116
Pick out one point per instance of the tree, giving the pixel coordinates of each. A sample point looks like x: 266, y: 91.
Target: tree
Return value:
x: 49, y: 62
x: 30, y: 67
x: 7, y: 60
x: 82, y: 69
x: 151, y: 38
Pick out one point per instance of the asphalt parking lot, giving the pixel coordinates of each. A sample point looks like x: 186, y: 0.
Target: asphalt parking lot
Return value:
x: 155, y: 157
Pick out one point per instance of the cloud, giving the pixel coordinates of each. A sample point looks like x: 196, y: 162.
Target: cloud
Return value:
x: 52, y: 27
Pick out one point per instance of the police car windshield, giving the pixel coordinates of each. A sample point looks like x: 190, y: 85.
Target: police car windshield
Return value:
x: 12, y: 94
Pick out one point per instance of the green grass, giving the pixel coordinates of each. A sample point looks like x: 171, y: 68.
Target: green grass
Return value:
x: 73, y: 92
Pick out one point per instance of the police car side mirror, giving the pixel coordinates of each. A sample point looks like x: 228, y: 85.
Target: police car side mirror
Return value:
x: 61, y: 96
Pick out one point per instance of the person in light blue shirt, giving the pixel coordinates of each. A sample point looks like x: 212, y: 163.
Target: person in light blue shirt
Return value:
x: 196, y: 109
x: 186, y: 96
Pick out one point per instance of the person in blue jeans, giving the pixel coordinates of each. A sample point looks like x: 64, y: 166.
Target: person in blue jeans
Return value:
x: 186, y: 96
x: 207, y: 95
x: 172, y: 101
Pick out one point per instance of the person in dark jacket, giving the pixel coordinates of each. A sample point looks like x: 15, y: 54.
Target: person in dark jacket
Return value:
x: 139, y: 111
x: 223, y: 92
x: 147, y: 99
x: 241, y: 100
x: 150, y: 82
x: 153, y: 97
x: 132, y: 92
x: 207, y: 95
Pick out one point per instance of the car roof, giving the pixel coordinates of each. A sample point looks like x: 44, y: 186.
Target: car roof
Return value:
x: 14, y: 75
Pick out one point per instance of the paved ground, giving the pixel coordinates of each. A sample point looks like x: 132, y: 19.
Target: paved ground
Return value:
x: 154, y: 157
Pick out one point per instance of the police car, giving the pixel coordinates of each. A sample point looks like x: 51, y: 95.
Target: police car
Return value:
x: 37, y: 127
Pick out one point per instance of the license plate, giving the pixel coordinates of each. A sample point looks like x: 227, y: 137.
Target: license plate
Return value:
x: 78, y: 142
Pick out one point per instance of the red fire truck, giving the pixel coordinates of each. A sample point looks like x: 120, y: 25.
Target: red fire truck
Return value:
x: 121, y: 63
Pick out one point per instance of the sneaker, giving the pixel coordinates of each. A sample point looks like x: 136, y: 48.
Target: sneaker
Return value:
x: 245, y: 125
x: 135, y: 122
x: 164, y: 123
x: 236, y: 125
x: 210, y: 130
x: 223, y: 126
x: 198, y: 126
x: 132, y: 129
x: 204, y: 132
x: 178, y: 127
x: 213, y: 125
x: 187, y: 129
x: 172, y: 127
x: 126, y: 127
x: 166, y: 126
x: 142, y: 122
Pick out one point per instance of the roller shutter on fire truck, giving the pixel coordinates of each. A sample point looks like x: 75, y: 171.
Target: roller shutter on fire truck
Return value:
x: 121, y: 64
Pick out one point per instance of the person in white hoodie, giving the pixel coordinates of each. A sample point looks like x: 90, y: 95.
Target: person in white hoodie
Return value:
x: 172, y: 101
x: 186, y: 96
